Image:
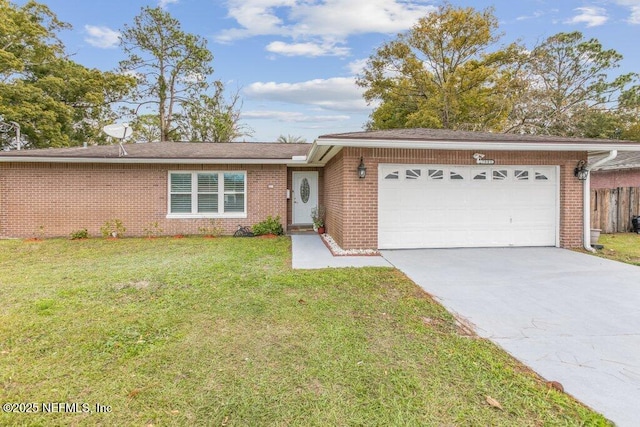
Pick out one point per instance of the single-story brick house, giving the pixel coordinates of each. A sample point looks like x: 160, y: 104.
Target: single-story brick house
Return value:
x: 422, y: 188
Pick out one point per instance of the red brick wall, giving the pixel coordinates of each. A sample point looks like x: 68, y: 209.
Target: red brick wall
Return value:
x: 68, y: 197
x: 355, y: 223
x: 615, y: 179
x: 335, y: 190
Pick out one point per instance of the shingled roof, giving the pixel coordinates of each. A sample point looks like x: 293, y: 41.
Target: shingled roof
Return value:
x: 624, y: 160
x: 425, y: 134
x: 169, y: 151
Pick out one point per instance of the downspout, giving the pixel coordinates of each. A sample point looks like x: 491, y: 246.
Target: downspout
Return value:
x: 586, y: 201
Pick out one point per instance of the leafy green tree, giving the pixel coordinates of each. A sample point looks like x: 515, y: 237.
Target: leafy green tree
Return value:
x: 56, y: 101
x: 567, y: 91
x: 146, y: 128
x: 441, y: 74
x: 89, y: 94
x: 629, y: 112
x: 28, y: 36
x: 170, y: 65
x: 212, y: 118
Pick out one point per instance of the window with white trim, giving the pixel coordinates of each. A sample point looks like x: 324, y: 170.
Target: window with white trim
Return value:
x: 207, y: 194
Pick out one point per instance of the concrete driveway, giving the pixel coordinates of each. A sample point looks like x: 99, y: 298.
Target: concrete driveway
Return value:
x: 571, y: 317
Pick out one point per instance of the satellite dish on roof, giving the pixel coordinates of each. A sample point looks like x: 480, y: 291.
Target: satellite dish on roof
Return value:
x: 118, y: 130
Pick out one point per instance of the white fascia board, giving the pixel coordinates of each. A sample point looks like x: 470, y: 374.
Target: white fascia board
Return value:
x: 307, y: 165
x: 480, y: 146
x: 125, y: 160
x: 312, y: 152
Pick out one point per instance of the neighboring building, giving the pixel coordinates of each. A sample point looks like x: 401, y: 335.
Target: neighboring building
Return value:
x: 623, y: 171
x: 423, y: 188
x: 615, y: 192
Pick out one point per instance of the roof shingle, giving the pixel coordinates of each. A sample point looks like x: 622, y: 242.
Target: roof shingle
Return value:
x: 173, y: 150
x: 425, y: 134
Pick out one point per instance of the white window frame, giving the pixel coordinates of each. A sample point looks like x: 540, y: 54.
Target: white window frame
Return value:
x: 194, y: 195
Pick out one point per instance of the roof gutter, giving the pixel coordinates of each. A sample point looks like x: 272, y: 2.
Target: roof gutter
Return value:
x: 133, y: 160
x: 586, y: 201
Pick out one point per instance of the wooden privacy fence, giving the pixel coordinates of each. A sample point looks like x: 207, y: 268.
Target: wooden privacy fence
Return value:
x: 613, y: 208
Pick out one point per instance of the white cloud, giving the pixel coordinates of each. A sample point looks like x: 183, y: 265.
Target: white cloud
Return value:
x: 102, y: 37
x: 592, y: 16
x: 324, y: 23
x: 255, y: 17
x: 293, y: 116
x: 356, y: 67
x: 341, y: 18
x: 306, y: 49
x: 337, y: 93
x: 534, y: 15
x: 164, y: 3
x: 634, y: 7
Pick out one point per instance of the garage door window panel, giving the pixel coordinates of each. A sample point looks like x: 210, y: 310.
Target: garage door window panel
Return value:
x: 480, y: 176
x: 393, y: 175
x: 435, y: 174
x: 413, y: 173
x: 456, y: 175
x: 540, y: 176
x: 500, y: 174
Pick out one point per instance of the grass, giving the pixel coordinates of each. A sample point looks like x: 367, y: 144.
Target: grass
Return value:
x: 624, y: 247
x: 222, y: 332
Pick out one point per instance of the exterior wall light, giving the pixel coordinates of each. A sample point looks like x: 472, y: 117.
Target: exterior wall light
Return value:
x: 581, y: 172
x: 362, y: 170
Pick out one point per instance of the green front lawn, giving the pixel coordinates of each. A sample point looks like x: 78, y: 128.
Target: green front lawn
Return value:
x: 222, y: 332
x: 623, y: 247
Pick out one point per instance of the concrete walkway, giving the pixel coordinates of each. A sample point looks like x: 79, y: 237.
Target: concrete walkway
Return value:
x: 308, y: 251
x: 571, y: 317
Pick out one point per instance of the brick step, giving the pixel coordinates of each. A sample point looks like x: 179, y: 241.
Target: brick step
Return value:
x: 299, y: 229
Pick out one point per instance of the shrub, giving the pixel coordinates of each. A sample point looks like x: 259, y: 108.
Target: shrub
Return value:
x: 153, y: 230
x: 211, y: 230
x: 268, y: 226
x: 39, y: 234
x: 317, y: 216
x: 80, y: 234
x: 113, y: 228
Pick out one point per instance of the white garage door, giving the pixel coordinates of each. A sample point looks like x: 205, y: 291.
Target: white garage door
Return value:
x: 431, y: 206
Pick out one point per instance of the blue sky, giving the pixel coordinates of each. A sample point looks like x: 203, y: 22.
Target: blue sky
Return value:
x: 294, y: 61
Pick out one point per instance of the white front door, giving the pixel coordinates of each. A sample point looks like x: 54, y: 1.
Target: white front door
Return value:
x: 305, y: 196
